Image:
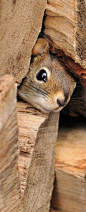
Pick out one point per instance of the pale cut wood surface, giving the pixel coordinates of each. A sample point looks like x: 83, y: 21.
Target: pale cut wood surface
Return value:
x: 34, y: 163
x: 37, y: 137
x: 9, y: 175
x: 29, y: 122
x: 70, y: 166
x: 65, y: 28
x: 20, y: 24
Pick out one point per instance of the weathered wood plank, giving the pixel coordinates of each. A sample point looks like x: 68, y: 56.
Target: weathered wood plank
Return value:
x: 20, y: 24
x: 65, y: 28
x: 70, y: 185
x: 37, y: 136
x: 10, y: 196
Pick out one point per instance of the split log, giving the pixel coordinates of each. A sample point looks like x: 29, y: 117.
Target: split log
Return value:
x: 9, y: 175
x: 37, y: 137
x: 31, y: 163
x: 65, y: 28
x: 70, y: 185
x: 20, y: 24
x: 29, y: 122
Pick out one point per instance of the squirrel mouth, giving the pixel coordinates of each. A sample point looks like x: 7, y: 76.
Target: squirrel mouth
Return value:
x: 53, y: 110
x: 45, y: 110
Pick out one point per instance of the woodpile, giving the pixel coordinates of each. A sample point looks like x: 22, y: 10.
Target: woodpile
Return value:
x: 27, y: 136
x: 70, y: 191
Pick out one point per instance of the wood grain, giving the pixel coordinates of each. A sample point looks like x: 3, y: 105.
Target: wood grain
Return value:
x: 29, y: 121
x: 37, y: 137
x: 70, y: 190
x: 64, y: 27
x: 26, y: 158
x: 9, y: 175
x: 20, y: 24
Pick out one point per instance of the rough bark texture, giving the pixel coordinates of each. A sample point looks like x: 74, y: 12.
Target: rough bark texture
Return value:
x: 37, y: 136
x: 65, y: 25
x: 70, y: 185
x: 9, y: 175
x: 20, y: 24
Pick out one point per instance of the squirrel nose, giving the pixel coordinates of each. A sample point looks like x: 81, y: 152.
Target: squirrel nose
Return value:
x: 62, y: 99
x: 61, y: 102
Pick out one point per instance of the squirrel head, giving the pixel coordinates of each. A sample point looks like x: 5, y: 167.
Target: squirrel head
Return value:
x: 47, y: 86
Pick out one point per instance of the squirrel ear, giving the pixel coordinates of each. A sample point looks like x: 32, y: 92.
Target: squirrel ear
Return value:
x: 40, y: 47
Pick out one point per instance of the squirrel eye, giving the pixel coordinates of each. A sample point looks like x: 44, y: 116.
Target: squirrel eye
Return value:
x: 42, y: 75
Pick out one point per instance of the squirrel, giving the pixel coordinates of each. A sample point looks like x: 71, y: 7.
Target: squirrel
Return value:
x: 47, y: 85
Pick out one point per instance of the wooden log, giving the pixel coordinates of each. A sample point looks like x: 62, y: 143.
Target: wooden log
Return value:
x: 29, y: 121
x: 20, y: 24
x: 9, y: 175
x: 37, y: 137
x: 65, y: 28
x: 70, y: 185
